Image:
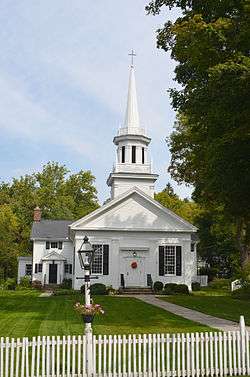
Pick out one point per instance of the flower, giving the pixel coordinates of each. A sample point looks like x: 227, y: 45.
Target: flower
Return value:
x: 88, y: 309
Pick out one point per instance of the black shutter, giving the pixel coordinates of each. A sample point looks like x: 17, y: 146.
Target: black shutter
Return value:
x: 36, y: 268
x: 70, y: 268
x: 60, y: 245
x: 178, y: 261
x: 105, y: 259
x: 161, y: 260
x: 47, y: 245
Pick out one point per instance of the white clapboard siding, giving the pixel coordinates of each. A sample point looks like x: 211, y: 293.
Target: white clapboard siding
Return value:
x: 153, y: 355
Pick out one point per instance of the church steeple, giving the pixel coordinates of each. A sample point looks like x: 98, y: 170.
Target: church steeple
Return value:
x: 132, y: 122
x: 133, y: 166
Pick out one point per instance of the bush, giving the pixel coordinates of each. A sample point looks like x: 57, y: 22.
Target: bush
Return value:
x: 98, y: 289
x: 112, y: 291
x: 175, y: 289
x: 182, y: 289
x: 158, y: 286
x: 242, y: 293
x: 64, y: 292
x: 220, y: 284
x: 196, y: 286
x: 36, y: 284
x: 25, y: 282
x: 170, y: 288
x: 66, y: 284
x: 10, y: 284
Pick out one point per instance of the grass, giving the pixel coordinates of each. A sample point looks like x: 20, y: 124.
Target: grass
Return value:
x: 214, y: 304
x: 24, y: 313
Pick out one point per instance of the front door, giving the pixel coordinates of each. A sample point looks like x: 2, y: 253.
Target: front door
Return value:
x: 53, y: 274
x: 134, y: 272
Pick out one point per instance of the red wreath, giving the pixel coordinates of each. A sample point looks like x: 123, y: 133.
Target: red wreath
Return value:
x: 134, y: 264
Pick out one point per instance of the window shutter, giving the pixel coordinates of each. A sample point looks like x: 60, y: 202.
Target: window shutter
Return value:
x: 178, y: 261
x: 70, y: 268
x: 60, y: 245
x: 36, y: 268
x: 105, y: 259
x: 47, y: 245
x: 161, y: 260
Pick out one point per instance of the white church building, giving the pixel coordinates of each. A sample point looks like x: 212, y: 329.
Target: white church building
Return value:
x: 138, y: 241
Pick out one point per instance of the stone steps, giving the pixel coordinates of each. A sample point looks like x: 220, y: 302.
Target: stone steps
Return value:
x: 136, y: 291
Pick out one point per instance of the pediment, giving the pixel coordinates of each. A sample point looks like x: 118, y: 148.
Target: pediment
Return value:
x: 133, y: 211
x: 54, y: 256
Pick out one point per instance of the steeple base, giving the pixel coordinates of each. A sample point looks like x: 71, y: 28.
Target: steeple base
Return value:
x: 122, y: 182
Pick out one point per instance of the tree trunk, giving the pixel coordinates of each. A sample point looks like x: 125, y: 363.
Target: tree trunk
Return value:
x: 243, y: 240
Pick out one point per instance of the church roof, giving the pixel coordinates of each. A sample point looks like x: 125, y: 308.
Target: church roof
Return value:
x: 143, y: 213
x: 50, y: 229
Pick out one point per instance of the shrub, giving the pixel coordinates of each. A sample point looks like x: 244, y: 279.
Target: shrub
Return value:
x: 170, y: 288
x: 36, y: 284
x: 25, y: 282
x: 175, y: 289
x: 111, y: 291
x: 64, y: 292
x: 196, y: 286
x: 98, y: 289
x: 66, y: 284
x: 242, y: 293
x: 221, y: 284
x: 182, y: 289
x: 158, y: 286
x: 10, y: 284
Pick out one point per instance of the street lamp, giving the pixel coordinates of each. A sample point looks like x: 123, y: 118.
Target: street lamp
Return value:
x: 86, y: 256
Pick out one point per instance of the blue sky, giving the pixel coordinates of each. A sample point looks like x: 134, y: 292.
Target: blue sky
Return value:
x: 63, y: 85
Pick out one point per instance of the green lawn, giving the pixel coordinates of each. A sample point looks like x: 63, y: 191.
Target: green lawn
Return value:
x: 24, y: 313
x: 218, y: 306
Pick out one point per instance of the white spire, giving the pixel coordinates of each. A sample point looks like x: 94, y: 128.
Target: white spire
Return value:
x: 132, y: 115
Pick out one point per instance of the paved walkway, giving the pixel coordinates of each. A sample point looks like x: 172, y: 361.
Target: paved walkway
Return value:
x: 193, y: 315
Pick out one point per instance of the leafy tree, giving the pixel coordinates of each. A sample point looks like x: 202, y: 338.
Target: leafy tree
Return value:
x: 187, y: 209
x: 210, y: 144
x: 59, y: 194
x: 9, y: 226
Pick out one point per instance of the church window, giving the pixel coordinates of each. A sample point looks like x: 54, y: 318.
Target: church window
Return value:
x: 123, y: 154
x: 143, y: 155
x: 133, y: 154
x: 97, y: 265
x: 68, y: 268
x: 28, y: 269
x: 169, y: 260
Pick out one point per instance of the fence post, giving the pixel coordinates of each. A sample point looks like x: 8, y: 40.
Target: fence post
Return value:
x: 243, y: 343
x: 89, y: 349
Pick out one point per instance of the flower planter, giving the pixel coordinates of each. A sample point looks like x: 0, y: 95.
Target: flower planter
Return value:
x: 87, y: 318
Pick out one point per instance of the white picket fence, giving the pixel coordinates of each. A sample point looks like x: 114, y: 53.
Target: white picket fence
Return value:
x: 152, y: 355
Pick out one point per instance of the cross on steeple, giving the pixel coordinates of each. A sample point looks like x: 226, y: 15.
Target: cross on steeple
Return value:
x: 132, y: 54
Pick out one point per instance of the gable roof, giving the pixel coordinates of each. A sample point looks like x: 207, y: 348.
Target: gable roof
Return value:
x: 97, y: 220
x: 50, y: 229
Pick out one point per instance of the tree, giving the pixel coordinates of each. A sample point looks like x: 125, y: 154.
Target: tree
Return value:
x: 59, y: 194
x: 186, y: 209
x: 210, y: 144
x: 9, y: 227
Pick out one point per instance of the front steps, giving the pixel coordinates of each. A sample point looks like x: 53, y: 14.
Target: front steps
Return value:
x: 136, y: 291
